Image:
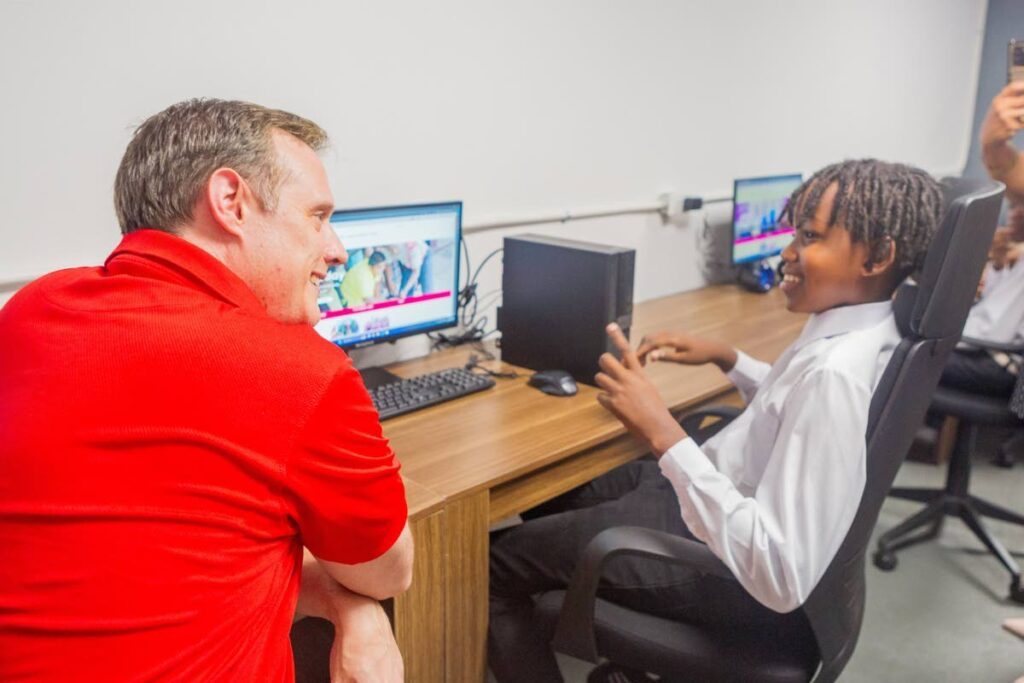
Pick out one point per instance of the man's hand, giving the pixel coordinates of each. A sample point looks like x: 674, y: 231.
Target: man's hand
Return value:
x: 630, y: 396
x: 680, y: 347
x: 364, y: 649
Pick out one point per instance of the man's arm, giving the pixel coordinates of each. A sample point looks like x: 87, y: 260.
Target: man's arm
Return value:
x: 364, y: 646
x: 1002, y: 122
x: 380, y: 578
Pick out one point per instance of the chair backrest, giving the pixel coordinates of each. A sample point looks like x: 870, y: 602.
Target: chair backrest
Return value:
x: 930, y: 314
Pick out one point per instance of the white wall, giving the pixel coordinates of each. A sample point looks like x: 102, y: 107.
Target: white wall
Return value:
x: 512, y: 107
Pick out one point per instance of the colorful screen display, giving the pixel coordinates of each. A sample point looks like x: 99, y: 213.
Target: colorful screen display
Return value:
x: 757, y: 207
x: 401, y: 277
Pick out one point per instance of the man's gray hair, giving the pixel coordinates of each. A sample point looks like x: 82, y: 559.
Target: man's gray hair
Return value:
x: 171, y: 156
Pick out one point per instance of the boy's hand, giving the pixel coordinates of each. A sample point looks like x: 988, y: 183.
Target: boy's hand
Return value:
x: 680, y: 347
x: 630, y: 396
x: 1004, y: 115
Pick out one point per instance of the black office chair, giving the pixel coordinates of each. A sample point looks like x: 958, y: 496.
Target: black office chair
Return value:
x: 930, y: 316
x: 974, y: 411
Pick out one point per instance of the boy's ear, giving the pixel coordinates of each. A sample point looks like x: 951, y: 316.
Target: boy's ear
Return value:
x: 883, y: 257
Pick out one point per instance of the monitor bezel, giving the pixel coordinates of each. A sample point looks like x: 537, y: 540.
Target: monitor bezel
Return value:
x: 440, y: 325
x: 732, y: 218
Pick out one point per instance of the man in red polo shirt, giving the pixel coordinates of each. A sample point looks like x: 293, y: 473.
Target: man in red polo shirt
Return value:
x: 173, y: 432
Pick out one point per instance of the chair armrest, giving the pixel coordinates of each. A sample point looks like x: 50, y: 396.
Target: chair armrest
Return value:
x: 691, y: 421
x: 575, y: 632
x: 994, y: 346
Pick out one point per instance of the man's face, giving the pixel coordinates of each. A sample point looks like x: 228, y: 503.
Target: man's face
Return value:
x: 289, y: 250
x: 823, y: 266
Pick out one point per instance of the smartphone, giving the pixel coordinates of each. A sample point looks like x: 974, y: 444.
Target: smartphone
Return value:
x: 1015, y: 61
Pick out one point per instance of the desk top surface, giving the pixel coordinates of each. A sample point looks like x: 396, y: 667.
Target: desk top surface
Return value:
x: 485, y: 439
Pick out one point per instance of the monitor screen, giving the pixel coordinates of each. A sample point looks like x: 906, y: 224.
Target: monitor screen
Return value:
x: 402, y: 275
x: 756, y: 209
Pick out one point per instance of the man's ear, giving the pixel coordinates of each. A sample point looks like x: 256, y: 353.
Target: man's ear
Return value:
x: 882, y: 259
x: 228, y: 197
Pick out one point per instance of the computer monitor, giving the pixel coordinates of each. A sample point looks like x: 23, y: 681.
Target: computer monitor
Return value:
x: 402, y: 275
x: 757, y: 205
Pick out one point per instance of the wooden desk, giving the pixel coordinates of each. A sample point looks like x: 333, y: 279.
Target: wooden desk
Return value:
x: 473, y: 461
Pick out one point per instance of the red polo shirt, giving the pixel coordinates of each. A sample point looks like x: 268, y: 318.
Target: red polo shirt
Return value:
x: 166, y: 449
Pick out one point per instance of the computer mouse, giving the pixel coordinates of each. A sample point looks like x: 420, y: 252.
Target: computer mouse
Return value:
x: 554, y: 382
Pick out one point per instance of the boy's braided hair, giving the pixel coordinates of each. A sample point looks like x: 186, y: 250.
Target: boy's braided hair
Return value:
x: 876, y: 201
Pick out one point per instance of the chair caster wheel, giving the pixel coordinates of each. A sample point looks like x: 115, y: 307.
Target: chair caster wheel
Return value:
x: 1017, y: 591
x: 885, y: 560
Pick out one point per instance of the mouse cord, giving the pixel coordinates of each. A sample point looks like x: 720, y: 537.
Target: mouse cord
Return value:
x: 473, y: 364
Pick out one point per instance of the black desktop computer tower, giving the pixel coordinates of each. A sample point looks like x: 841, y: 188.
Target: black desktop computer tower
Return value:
x: 557, y: 297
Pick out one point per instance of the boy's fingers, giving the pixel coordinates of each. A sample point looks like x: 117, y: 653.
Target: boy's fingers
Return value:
x: 611, y: 365
x: 620, y: 342
x: 605, y: 382
x: 673, y: 356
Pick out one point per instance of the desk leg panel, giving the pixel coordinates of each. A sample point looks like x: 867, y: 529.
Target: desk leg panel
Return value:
x: 419, y: 612
x: 466, y: 596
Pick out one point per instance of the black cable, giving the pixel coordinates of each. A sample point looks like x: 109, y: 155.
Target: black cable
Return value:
x: 473, y: 364
x: 484, y: 262
x: 467, y: 306
x: 465, y: 252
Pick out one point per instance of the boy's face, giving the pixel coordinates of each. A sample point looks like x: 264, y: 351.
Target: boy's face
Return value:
x: 824, y: 267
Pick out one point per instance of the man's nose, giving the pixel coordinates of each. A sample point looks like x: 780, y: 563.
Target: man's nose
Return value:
x: 334, y: 250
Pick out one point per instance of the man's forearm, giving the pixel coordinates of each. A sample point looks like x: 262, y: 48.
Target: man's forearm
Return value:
x: 364, y: 646
x: 320, y: 595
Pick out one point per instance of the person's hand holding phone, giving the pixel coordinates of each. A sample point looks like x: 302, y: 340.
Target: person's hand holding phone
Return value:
x: 1003, y: 120
x: 630, y: 396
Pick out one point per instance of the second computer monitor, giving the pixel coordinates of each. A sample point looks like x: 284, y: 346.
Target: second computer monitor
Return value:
x: 402, y: 275
x: 757, y: 207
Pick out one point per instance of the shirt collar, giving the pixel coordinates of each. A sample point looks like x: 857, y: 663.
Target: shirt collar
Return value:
x: 843, y: 319
x: 171, y: 258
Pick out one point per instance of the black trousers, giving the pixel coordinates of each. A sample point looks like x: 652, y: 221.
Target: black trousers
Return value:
x: 541, y: 554
x: 975, y: 371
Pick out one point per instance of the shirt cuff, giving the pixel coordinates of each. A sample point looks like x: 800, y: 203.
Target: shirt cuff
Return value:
x: 683, y: 463
x: 745, y: 370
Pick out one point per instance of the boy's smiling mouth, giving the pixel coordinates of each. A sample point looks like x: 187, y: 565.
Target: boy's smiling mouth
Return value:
x: 790, y: 281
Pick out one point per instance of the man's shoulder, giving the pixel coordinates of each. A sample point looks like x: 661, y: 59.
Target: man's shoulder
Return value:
x: 48, y: 287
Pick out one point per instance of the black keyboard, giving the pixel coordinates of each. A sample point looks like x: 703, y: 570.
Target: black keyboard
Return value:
x: 405, y: 396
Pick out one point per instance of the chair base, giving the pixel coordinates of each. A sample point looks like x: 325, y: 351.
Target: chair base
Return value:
x: 941, y: 503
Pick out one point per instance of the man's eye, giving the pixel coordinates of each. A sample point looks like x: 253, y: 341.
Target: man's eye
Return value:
x: 809, y: 235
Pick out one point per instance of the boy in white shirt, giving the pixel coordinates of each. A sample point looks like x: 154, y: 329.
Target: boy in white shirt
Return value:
x: 997, y: 316
x: 774, y: 493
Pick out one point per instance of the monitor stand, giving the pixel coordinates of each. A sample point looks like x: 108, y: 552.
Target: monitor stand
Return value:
x: 377, y: 377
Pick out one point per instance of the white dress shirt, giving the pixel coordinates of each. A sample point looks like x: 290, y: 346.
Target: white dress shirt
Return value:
x: 774, y: 493
x: 998, y: 316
